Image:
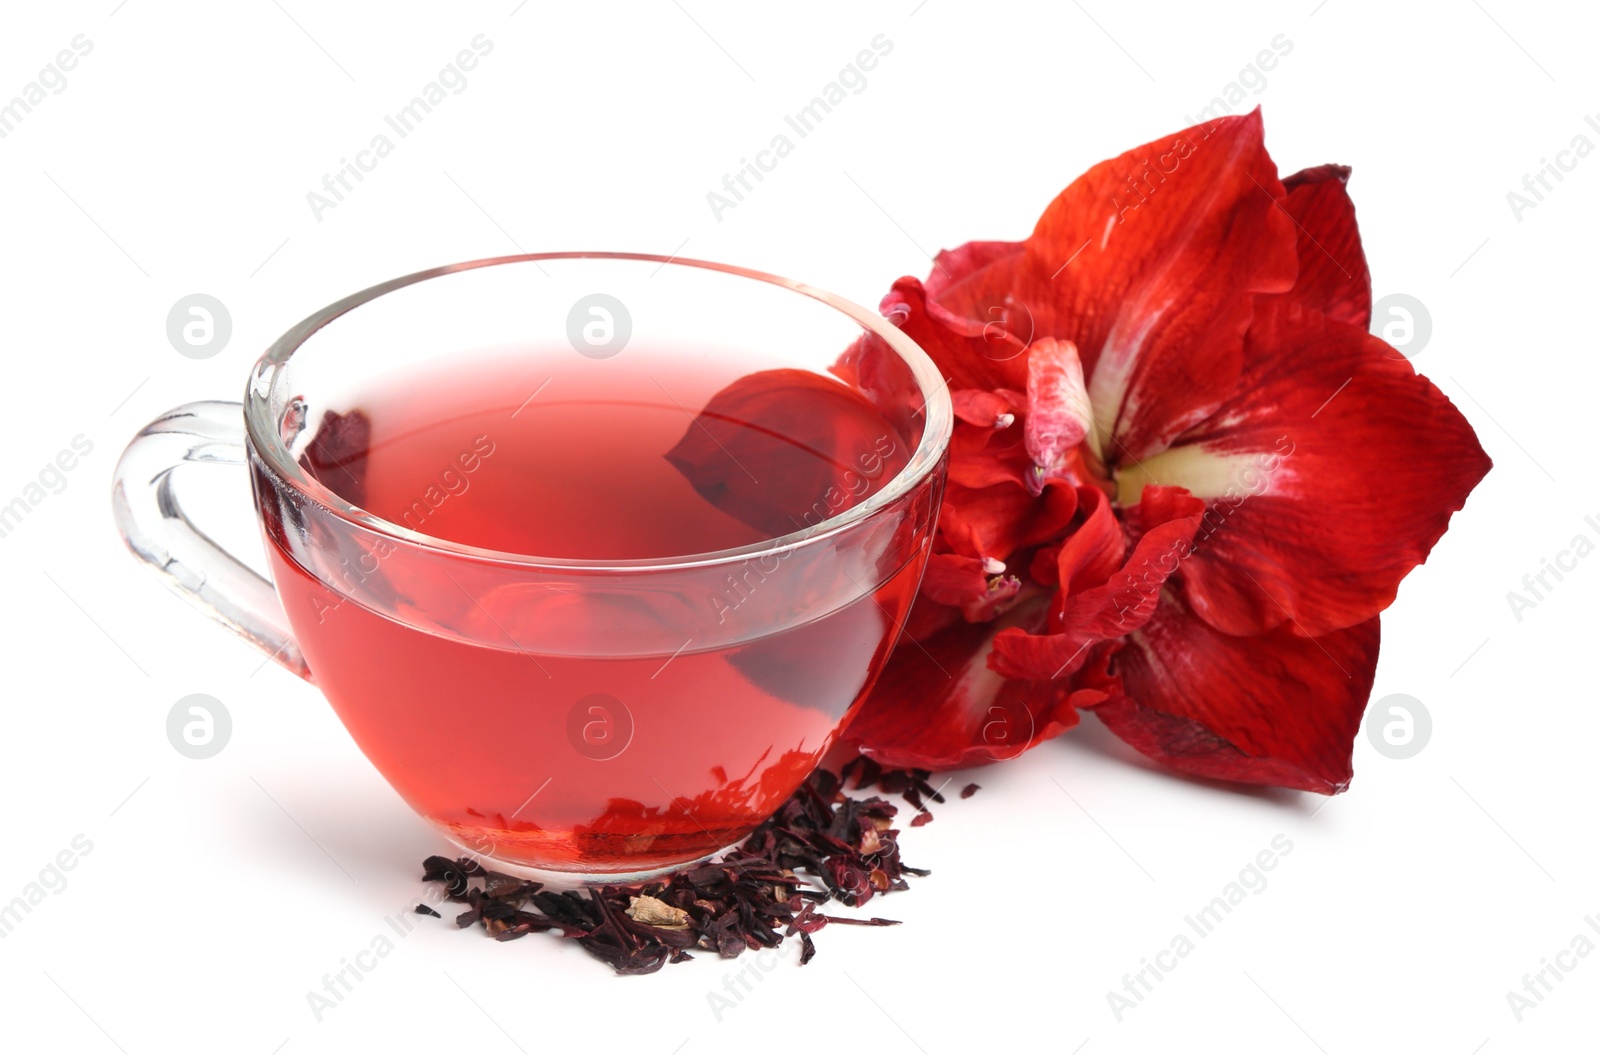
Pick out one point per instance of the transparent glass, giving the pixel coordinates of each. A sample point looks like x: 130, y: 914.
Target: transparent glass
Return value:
x: 572, y: 719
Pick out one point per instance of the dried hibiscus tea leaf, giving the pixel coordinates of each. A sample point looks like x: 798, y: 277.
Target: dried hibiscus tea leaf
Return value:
x: 821, y: 845
x: 502, y: 886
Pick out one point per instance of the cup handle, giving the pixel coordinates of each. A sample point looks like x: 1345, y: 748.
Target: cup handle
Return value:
x: 153, y: 523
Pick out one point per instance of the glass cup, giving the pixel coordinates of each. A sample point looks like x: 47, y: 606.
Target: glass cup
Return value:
x: 572, y: 720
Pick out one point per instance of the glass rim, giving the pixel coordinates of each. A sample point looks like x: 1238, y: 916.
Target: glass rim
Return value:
x: 264, y: 438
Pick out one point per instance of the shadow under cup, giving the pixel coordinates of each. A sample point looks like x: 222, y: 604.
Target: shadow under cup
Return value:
x: 741, y: 475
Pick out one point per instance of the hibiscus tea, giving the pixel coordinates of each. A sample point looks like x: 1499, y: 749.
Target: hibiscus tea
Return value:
x: 566, y: 720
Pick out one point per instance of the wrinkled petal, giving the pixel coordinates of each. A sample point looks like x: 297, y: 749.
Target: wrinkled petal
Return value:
x: 1275, y: 709
x: 981, y: 457
x: 1328, y: 478
x: 982, y: 352
x: 1333, y: 275
x: 977, y: 587
x: 1095, y: 550
x: 983, y: 408
x: 1111, y: 609
x: 939, y: 706
x: 954, y: 580
x: 997, y: 521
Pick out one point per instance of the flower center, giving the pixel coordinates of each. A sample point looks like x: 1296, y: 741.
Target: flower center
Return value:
x: 1130, y: 481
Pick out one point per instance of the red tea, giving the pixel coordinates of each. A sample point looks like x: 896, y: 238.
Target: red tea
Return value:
x: 665, y: 724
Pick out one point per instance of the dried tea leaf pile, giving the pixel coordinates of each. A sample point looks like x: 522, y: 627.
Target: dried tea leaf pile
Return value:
x: 752, y: 898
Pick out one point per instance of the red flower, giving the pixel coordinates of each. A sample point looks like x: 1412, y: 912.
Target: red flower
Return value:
x: 1184, y: 481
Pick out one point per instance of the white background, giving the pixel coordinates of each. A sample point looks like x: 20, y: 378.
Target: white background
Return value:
x: 178, y: 159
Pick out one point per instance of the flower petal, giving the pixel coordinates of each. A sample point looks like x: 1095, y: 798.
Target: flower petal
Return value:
x: 1276, y: 709
x: 1095, y: 550
x: 977, y: 587
x: 939, y: 706
x: 954, y: 267
x: 982, y: 457
x: 1328, y: 478
x: 954, y: 580
x: 927, y: 618
x: 1333, y: 275
x: 810, y: 431
x: 1058, y: 412
x: 1113, y: 608
x: 875, y: 370
x: 979, y: 352
x: 997, y: 521
x: 982, y: 407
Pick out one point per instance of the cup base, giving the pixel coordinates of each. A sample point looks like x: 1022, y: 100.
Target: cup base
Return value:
x: 556, y: 879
